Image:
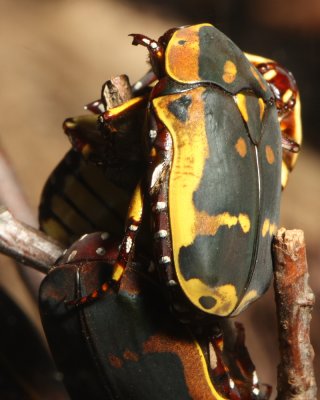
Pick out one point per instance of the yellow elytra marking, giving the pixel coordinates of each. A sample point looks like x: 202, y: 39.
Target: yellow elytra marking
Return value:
x: 153, y: 152
x: 247, y: 299
x: 241, y: 147
x: 262, y: 107
x: 136, y: 204
x: 272, y: 229
x: 270, y: 74
x: 242, y: 105
x: 287, y: 95
x: 268, y: 227
x: 185, y: 177
x: 284, y: 174
x: 270, y: 155
x: 187, y: 165
x: 182, y: 54
x: 244, y: 222
x: 265, y: 227
x: 209, y: 224
x: 229, y: 71
x: 117, y: 272
x: 225, y: 296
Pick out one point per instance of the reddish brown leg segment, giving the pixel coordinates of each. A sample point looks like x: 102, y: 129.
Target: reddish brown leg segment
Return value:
x: 126, y: 250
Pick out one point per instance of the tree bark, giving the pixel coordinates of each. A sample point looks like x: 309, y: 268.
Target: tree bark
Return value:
x: 294, y: 300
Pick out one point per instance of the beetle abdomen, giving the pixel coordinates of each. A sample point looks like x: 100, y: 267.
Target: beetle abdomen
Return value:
x: 214, y: 196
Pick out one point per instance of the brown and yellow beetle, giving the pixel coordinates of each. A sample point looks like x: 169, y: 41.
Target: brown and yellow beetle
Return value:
x: 217, y: 120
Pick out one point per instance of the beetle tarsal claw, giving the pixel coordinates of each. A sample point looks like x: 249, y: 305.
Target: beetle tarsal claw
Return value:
x: 145, y: 41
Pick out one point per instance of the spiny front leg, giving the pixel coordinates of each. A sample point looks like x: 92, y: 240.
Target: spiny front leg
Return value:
x: 126, y: 251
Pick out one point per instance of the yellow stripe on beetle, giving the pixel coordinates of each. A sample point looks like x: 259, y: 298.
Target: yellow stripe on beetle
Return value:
x: 185, y: 177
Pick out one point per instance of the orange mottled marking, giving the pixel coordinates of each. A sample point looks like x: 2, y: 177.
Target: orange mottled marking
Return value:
x: 241, y: 147
x: 194, y: 364
x: 130, y: 355
x: 105, y: 287
x: 229, y: 71
x: 115, y: 361
x: 270, y: 155
x: 94, y: 294
x: 182, y: 54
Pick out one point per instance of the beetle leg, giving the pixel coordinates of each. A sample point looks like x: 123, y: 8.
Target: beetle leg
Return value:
x: 122, y: 111
x: 143, y: 83
x: 221, y: 370
x: 126, y: 250
x: 287, y: 99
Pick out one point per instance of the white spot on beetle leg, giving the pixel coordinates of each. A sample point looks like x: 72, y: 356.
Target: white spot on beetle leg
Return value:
x: 101, y: 251
x: 152, y: 134
x: 104, y: 235
x: 128, y: 244
x: 161, y: 205
x: 164, y: 260
x: 72, y: 255
x: 161, y: 234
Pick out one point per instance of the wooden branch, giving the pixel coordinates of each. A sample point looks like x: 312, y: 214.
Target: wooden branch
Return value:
x: 116, y: 91
x: 295, y: 301
x: 26, y: 244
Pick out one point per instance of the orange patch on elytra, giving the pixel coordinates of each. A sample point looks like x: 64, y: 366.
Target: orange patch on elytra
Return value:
x: 182, y: 54
x: 130, y: 356
x: 206, y: 224
x: 241, y: 147
x: 194, y: 364
x: 270, y: 154
x: 229, y: 71
x: 115, y: 361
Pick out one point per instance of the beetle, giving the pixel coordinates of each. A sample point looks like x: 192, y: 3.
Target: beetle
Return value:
x: 213, y: 175
x: 128, y: 346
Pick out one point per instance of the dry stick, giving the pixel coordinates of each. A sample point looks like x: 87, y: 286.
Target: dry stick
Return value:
x: 26, y: 244
x: 116, y: 91
x: 12, y: 196
x: 295, y: 301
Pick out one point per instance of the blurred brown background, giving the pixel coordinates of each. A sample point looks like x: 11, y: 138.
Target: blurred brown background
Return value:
x: 55, y: 55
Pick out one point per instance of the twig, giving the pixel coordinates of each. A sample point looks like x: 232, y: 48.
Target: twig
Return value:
x: 25, y: 244
x: 295, y: 301
x: 116, y: 91
x: 12, y: 196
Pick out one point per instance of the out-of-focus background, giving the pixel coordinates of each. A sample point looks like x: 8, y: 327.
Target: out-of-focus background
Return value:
x: 55, y: 55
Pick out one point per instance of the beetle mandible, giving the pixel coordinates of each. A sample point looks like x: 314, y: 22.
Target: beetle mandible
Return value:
x: 213, y: 178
